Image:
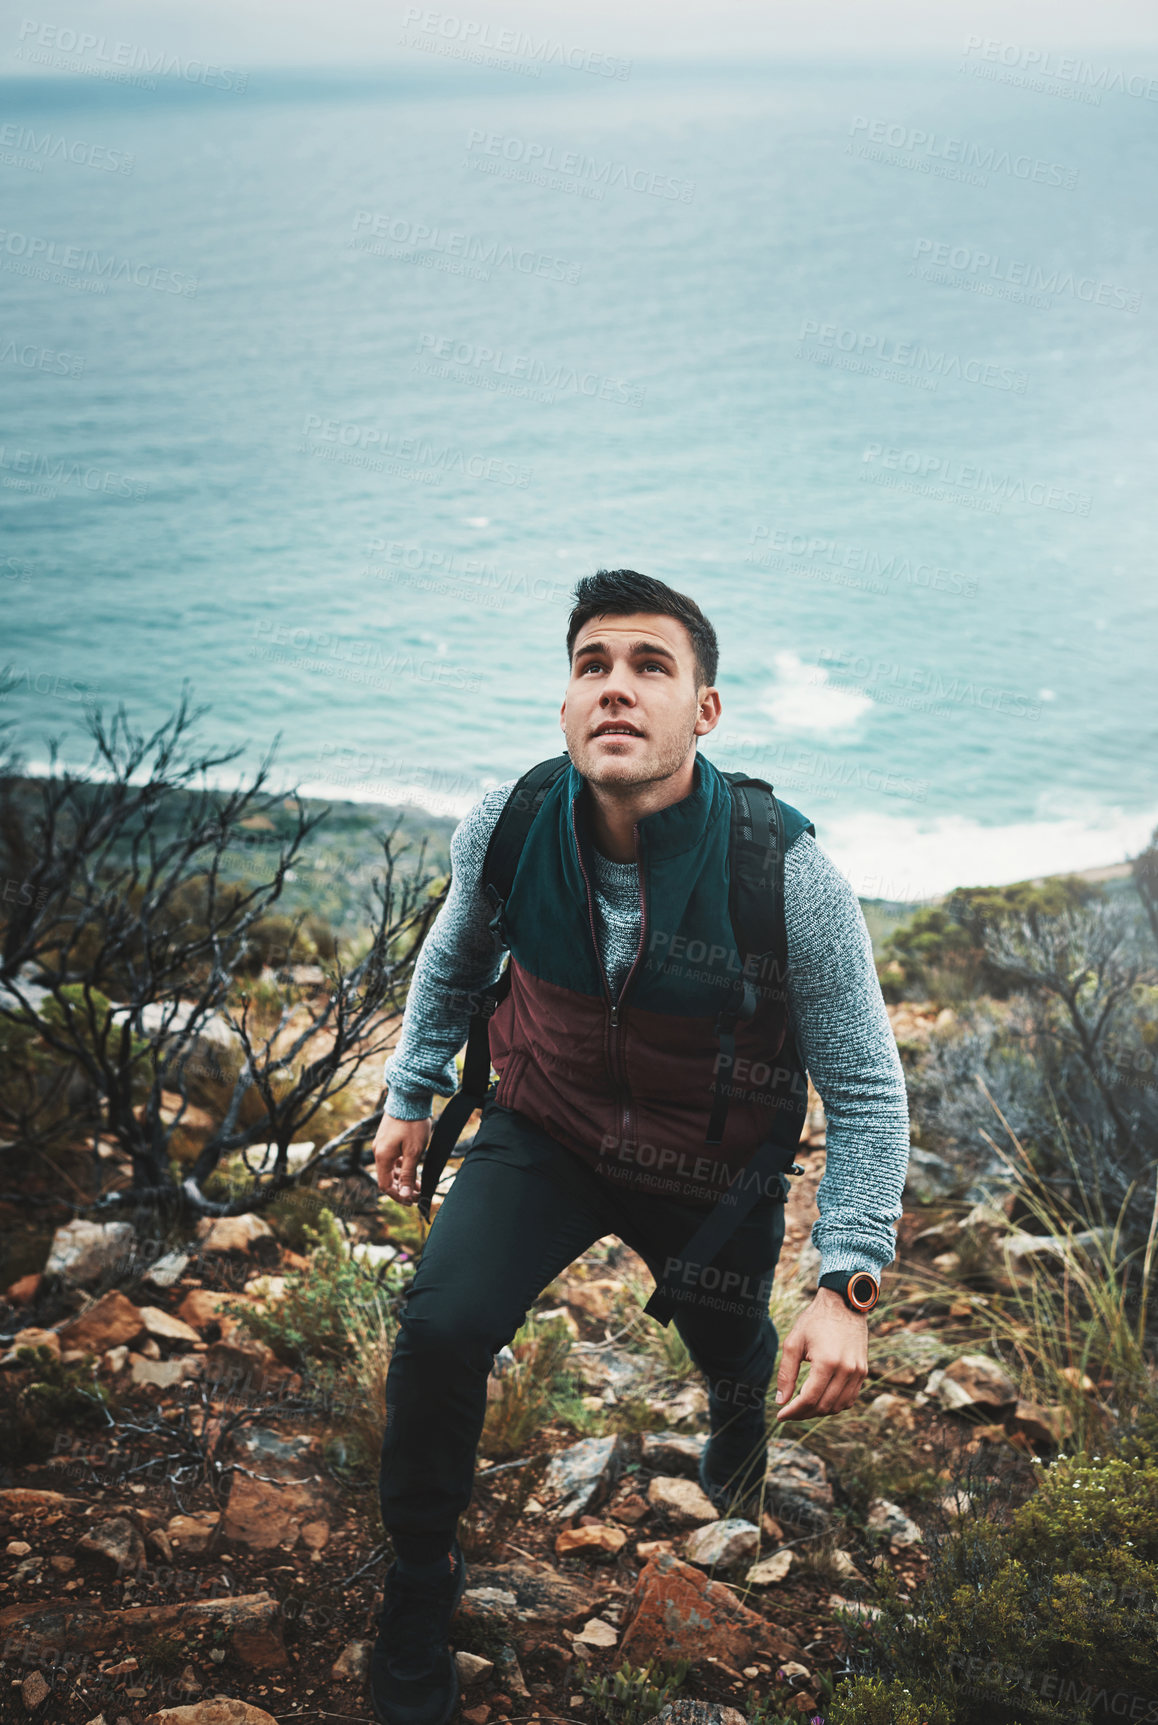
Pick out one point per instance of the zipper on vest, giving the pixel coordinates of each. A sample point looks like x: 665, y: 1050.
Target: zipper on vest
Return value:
x: 617, y: 1070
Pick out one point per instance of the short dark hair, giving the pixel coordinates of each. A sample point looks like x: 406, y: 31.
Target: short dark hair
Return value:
x: 620, y: 592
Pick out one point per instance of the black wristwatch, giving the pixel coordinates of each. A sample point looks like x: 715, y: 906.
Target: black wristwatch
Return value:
x: 860, y: 1289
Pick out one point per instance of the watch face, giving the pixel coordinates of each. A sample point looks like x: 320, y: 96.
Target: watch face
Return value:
x: 863, y: 1292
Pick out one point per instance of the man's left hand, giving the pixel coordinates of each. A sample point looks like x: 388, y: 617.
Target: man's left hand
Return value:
x: 834, y: 1339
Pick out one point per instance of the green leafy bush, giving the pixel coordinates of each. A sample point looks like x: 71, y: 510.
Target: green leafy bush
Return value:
x: 311, y: 1323
x: 1053, y: 1609
x: 939, y: 953
x: 634, y: 1692
x: 54, y: 1398
x: 870, y: 1701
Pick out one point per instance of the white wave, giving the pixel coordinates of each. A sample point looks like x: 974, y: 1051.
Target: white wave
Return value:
x: 803, y: 700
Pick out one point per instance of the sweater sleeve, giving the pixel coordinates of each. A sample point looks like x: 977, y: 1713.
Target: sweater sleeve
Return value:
x: 459, y: 956
x: 847, y: 1044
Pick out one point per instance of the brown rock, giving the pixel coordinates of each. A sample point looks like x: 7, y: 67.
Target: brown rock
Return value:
x: 233, y: 1233
x: 975, y: 1381
x: 676, y: 1611
x: 33, y: 1690
x: 109, y: 1321
x: 163, y: 1374
x: 219, y: 1710
x: 649, y: 1548
x: 257, y: 1643
x: 630, y: 1509
x: 115, y: 1544
x: 683, y: 1502
x: 352, y: 1663
x: 52, y: 1624
x: 193, y: 1534
x: 261, y: 1515
x: 244, y: 1363
x: 23, y: 1291
x: 596, y: 1538
x: 21, y: 1500
x: 595, y: 1298
x: 202, y: 1307
x: 1040, y: 1425
x: 170, y: 1329
x: 31, y: 1338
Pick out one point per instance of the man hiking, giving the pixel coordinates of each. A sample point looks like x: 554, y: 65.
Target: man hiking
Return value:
x: 647, y: 1068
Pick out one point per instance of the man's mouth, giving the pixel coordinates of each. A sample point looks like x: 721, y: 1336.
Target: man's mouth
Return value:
x: 617, y: 728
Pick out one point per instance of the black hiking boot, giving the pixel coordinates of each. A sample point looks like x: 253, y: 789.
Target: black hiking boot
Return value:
x: 735, y: 1460
x: 413, y: 1678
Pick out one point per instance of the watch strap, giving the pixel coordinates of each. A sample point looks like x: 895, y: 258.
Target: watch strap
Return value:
x: 859, y: 1289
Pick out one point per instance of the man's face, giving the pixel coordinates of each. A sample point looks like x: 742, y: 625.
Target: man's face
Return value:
x: 632, y: 708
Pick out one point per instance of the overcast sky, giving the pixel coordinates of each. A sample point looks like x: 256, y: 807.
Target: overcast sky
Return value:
x: 362, y: 32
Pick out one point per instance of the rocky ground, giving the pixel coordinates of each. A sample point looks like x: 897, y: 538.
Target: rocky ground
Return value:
x: 206, y: 1546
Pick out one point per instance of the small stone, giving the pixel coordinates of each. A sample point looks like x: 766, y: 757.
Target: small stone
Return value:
x: 770, y: 1569
x: 683, y: 1502
x: 116, y: 1544
x: 722, y: 1543
x: 82, y: 1251
x: 577, y: 1476
x: 480, y: 1714
x: 975, y: 1381
x: 161, y: 1323
x: 31, y: 1338
x: 353, y: 1663
x: 168, y: 1270
x: 630, y: 1509
x: 843, y: 1566
x: 889, y: 1519
x: 33, y: 1690
x: 596, y: 1633
x: 109, y: 1321
x: 673, y: 1452
x: 18, y: 1548
x: 233, y: 1233
x: 893, y: 1409
x: 599, y: 1538
x: 472, y: 1668
x: 649, y: 1548
x: 191, y: 1534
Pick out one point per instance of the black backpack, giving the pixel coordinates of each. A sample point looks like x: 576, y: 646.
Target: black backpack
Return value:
x: 756, y: 907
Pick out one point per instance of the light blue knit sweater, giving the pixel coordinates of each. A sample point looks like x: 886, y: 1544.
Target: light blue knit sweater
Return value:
x: 835, y: 999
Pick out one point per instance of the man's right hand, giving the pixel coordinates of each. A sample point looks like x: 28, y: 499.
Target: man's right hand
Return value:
x: 398, y: 1148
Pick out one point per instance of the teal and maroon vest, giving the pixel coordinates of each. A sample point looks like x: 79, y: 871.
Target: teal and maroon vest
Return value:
x: 630, y: 1085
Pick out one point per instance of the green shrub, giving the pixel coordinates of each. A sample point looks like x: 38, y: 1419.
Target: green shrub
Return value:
x: 634, y: 1692
x: 870, y: 1701
x: 55, y: 1398
x: 311, y: 1323
x: 939, y: 953
x: 529, y: 1387
x: 1054, y: 1608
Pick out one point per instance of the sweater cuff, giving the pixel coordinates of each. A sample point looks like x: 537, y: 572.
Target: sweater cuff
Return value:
x: 409, y: 1104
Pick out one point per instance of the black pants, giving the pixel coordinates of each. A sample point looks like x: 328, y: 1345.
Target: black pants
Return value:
x: 520, y: 1210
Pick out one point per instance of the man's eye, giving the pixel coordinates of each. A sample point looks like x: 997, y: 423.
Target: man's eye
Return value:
x: 655, y: 665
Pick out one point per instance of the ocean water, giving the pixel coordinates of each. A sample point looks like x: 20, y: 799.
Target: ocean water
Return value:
x: 319, y: 397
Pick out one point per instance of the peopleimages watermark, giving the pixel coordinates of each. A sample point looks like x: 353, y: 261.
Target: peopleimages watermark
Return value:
x: 919, y: 685
x: 22, y: 147
x: 77, y: 50
x: 941, y: 476
x: 1029, y: 68
x: 901, y: 361
x: 498, y: 152
x: 338, y: 655
x: 823, y: 776
x: 487, y: 43
x: 455, y: 573
x: 32, y: 254
x: 775, y: 547
x: 32, y: 468
x: 345, y: 440
x: 32, y: 357
x: 457, y: 252
x: 995, y: 277
x: 924, y: 152
x: 487, y: 367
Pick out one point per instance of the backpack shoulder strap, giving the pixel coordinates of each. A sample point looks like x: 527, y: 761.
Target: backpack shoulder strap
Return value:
x: 762, y: 829
x: 505, y: 846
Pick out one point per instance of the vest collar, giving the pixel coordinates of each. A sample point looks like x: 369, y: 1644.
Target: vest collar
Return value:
x: 665, y: 832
